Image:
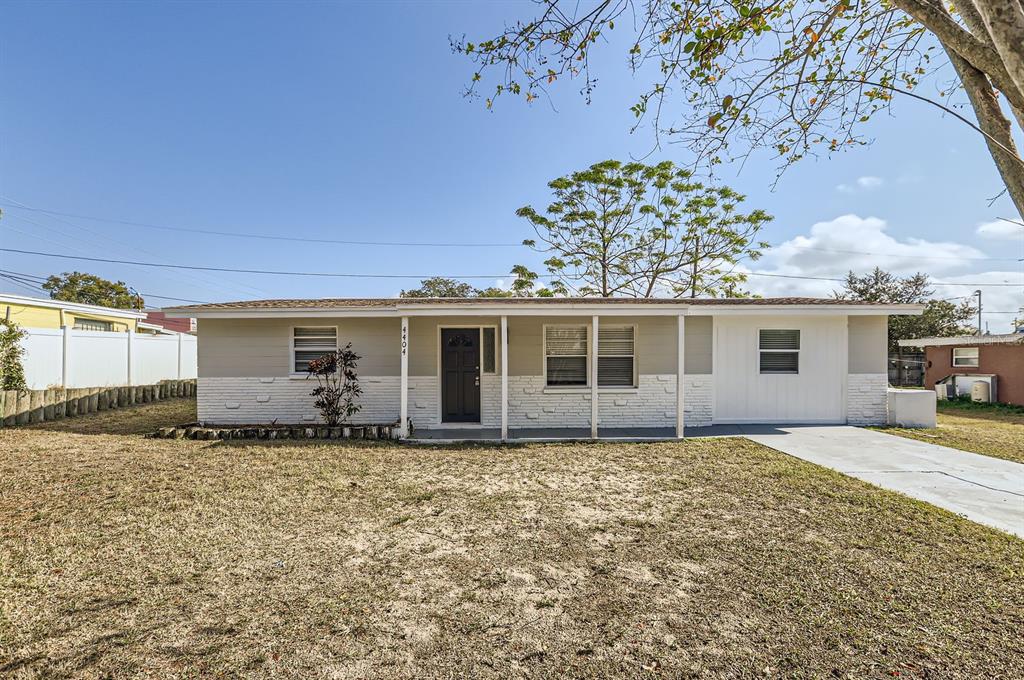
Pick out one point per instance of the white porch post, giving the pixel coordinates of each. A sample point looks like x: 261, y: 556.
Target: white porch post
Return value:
x: 680, y: 376
x: 593, y: 379
x: 403, y: 427
x: 504, y: 378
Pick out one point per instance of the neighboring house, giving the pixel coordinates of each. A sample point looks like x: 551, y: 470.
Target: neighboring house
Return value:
x: 530, y: 367
x: 966, y: 359
x: 155, y: 318
x: 30, y: 312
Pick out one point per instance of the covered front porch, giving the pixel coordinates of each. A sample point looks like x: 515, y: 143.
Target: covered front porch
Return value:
x: 534, y: 377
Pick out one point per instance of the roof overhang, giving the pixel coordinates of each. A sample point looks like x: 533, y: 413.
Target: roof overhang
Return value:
x: 966, y: 340
x: 542, y: 309
x: 95, y: 310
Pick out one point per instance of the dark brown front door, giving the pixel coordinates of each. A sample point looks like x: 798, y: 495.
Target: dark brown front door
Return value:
x: 460, y: 375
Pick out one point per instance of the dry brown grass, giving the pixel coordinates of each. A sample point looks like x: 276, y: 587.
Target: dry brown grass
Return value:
x: 989, y: 431
x: 123, y: 556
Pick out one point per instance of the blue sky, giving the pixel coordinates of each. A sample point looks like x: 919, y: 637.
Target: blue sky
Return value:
x: 346, y: 121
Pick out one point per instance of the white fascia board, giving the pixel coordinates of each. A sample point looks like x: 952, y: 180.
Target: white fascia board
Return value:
x: 548, y: 310
x: 71, y: 306
x: 808, y: 310
x: 966, y: 340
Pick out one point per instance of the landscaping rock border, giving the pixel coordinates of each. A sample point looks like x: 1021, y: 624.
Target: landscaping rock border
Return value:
x: 275, y: 432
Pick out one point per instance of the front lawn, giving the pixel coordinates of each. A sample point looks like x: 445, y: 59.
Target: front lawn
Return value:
x: 123, y: 556
x: 990, y: 429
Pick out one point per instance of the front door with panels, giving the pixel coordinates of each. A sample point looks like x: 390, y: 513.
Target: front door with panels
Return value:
x: 460, y: 375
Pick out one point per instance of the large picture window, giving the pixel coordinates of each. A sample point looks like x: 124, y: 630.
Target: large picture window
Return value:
x: 311, y: 342
x: 965, y: 356
x: 615, y: 356
x: 565, y: 356
x: 779, y: 351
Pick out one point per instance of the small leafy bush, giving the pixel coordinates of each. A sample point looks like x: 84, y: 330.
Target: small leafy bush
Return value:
x: 12, y: 373
x: 337, y: 385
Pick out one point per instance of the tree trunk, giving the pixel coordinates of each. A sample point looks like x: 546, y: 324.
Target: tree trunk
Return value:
x: 994, y: 123
x: 1004, y: 20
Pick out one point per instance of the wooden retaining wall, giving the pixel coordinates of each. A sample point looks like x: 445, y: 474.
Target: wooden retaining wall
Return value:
x: 22, y: 407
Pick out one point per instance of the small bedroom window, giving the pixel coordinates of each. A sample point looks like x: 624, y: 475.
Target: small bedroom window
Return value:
x: 92, y: 325
x: 615, y: 356
x: 779, y: 351
x: 565, y: 356
x: 311, y: 342
x: 965, y: 357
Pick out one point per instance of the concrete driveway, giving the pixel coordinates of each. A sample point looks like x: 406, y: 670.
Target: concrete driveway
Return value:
x: 981, y: 488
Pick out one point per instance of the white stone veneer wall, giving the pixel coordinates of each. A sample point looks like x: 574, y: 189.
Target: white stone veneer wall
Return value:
x: 425, y: 395
x: 866, y: 395
x: 699, y: 400
x: 263, y: 400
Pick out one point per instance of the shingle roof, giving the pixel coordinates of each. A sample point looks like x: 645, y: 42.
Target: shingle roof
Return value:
x: 348, y: 303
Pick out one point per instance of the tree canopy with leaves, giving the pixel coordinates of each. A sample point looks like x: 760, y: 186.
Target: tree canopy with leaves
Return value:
x: 92, y: 290
x: 941, y: 318
x: 799, y: 77
x: 636, y: 230
x: 524, y: 285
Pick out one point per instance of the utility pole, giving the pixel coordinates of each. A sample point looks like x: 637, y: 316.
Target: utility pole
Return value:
x: 978, y: 293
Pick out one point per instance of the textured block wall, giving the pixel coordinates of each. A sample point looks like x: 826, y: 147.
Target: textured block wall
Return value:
x: 866, y: 398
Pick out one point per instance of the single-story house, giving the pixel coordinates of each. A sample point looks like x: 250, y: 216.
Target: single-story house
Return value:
x: 33, y: 312
x: 534, y: 367
x: 963, y: 360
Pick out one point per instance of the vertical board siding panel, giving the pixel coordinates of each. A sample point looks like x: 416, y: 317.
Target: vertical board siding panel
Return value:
x: 743, y: 394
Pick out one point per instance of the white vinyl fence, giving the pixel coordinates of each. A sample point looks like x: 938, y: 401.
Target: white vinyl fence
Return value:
x: 65, y: 357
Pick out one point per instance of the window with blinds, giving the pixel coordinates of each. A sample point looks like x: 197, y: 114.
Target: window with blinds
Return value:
x: 312, y: 342
x: 565, y: 355
x: 779, y: 351
x: 965, y: 356
x: 615, y: 356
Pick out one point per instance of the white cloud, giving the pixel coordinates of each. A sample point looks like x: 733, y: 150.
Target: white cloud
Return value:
x: 1000, y: 230
x: 865, y: 183
x: 858, y: 244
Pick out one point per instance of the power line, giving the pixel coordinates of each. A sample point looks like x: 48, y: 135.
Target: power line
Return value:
x: 271, y: 272
x: 414, y: 276
x: 34, y: 281
x: 269, y: 237
x: 424, y: 244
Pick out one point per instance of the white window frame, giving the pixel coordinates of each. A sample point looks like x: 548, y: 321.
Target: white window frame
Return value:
x: 976, y: 358
x: 633, y: 356
x: 544, y: 355
x: 81, y: 321
x: 291, y: 347
x: 800, y: 340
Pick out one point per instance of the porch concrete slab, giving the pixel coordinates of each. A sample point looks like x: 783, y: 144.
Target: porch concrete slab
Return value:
x: 981, y: 488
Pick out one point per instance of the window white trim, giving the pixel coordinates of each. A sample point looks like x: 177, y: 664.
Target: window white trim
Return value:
x: 544, y: 355
x: 292, y: 373
x: 635, y: 379
x: 761, y: 351
x: 966, y: 357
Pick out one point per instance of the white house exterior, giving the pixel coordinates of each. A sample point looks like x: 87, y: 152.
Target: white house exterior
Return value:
x: 530, y: 367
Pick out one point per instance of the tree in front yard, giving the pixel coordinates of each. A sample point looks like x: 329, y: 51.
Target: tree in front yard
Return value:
x: 12, y: 373
x: 637, y: 230
x: 941, y: 318
x: 337, y: 385
x: 92, y: 290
